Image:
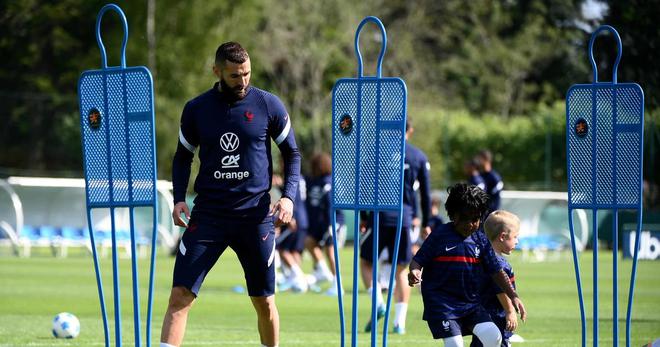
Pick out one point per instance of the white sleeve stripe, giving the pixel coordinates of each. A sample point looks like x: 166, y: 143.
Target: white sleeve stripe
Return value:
x: 285, y: 132
x: 185, y: 143
x: 498, y: 187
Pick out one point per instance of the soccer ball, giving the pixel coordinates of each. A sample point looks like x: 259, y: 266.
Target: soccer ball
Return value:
x: 66, y: 326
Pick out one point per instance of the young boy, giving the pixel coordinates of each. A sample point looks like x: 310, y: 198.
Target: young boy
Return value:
x: 454, y: 257
x: 502, y: 229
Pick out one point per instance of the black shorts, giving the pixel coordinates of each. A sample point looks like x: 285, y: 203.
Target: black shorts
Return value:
x: 324, y: 236
x: 204, y: 241
x: 458, y: 327
x: 292, y: 241
x: 386, y: 239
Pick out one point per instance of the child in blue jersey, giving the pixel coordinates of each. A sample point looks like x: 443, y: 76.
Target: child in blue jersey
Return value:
x: 454, y: 258
x: 319, y: 238
x: 502, y: 229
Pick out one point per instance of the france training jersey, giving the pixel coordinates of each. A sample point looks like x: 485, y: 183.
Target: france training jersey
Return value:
x: 478, y: 181
x: 453, y: 270
x: 494, y: 186
x: 233, y: 138
x: 491, y: 289
x: 416, y: 168
x: 318, y: 203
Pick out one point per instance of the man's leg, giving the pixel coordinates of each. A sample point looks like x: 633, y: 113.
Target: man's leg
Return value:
x: 330, y: 253
x: 314, y: 250
x: 366, y: 269
x: 321, y: 270
x: 174, y: 322
x: 268, y: 319
x: 402, y: 296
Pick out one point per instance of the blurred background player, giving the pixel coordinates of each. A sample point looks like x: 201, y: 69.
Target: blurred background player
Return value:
x: 502, y: 229
x: 454, y: 258
x: 492, y: 178
x: 290, y: 242
x: 416, y: 168
x: 471, y: 169
x: 434, y: 221
x: 319, y: 240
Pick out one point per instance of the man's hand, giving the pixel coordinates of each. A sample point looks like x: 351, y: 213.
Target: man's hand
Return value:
x: 180, y: 207
x: 426, y: 231
x: 282, y: 210
x: 414, y: 277
x: 517, y: 303
x: 293, y: 225
x: 511, y: 321
x: 363, y: 226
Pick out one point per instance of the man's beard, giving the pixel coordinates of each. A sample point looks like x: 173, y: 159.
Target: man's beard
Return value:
x: 236, y: 93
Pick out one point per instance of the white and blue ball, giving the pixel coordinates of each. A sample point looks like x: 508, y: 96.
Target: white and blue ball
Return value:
x: 66, y: 326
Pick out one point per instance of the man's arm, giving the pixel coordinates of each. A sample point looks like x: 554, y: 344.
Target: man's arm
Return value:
x: 281, y: 131
x: 425, y: 194
x: 183, y: 157
x: 180, y: 176
x: 414, y: 273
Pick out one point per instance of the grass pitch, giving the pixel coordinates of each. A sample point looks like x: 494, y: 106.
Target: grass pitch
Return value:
x: 34, y: 290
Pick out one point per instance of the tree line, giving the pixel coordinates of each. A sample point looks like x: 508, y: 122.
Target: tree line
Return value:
x: 479, y: 73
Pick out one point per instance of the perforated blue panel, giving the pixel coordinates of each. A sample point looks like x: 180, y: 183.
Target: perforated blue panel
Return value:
x: 604, y: 164
x: 119, y: 153
x: 368, y: 161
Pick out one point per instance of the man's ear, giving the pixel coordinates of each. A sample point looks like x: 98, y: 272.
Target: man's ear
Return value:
x: 216, y: 71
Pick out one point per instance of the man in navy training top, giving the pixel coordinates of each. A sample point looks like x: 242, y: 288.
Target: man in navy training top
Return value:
x: 232, y: 124
x: 454, y: 258
x: 471, y: 169
x: 492, y: 178
x: 416, y: 168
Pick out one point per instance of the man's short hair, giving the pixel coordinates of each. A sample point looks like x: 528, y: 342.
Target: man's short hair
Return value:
x: 501, y: 222
x: 321, y: 164
x: 231, y: 51
x: 486, y: 155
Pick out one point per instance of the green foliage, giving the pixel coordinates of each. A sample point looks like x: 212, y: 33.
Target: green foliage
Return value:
x: 518, y: 144
x: 488, y: 73
x: 636, y: 22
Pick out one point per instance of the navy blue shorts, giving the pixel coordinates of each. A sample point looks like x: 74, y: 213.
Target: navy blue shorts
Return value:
x: 500, y: 321
x: 204, y: 241
x: 458, y: 327
x: 291, y: 241
x: 386, y: 239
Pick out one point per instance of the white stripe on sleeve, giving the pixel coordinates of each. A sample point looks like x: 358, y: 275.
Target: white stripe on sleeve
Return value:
x: 498, y: 187
x: 284, y: 132
x: 185, y: 142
